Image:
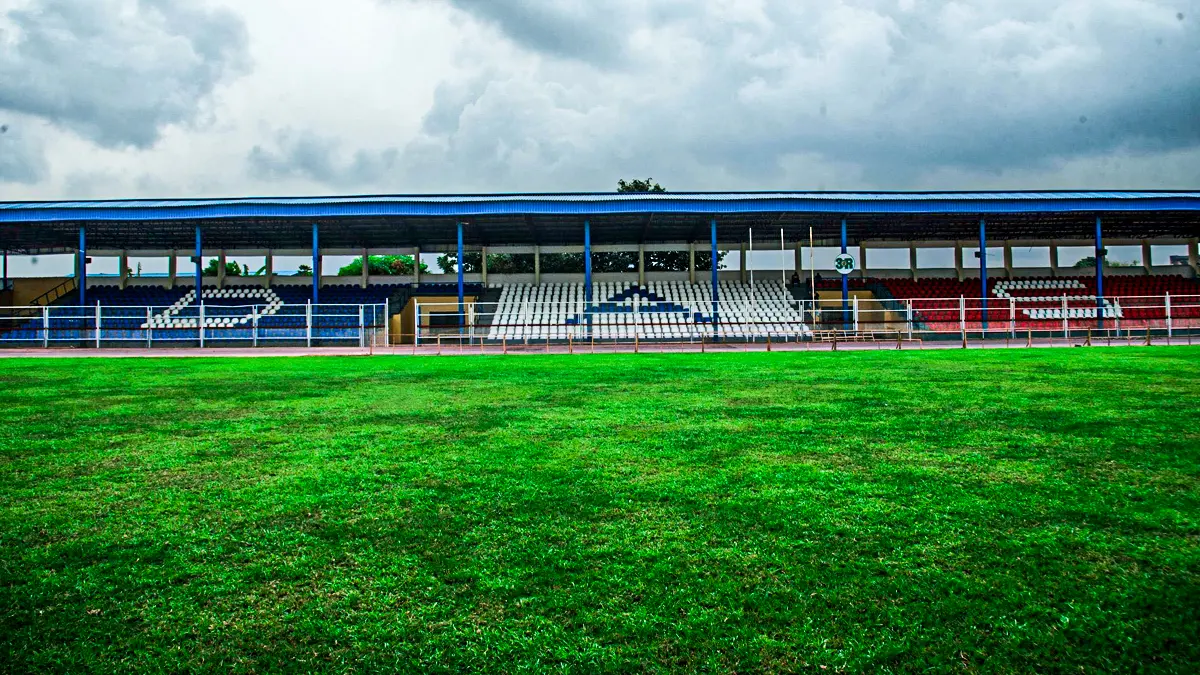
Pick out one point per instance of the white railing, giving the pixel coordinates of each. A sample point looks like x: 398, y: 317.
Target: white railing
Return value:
x: 201, y: 324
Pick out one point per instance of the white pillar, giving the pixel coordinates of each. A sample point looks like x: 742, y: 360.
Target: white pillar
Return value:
x: 123, y: 262
x: 641, y: 265
x: 958, y: 260
x: 1147, y: 257
x: 912, y: 259
x: 1008, y: 260
x: 537, y: 265
x: 221, y: 269
x: 172, y: 269
x: 1053, y: 259
x: 691, y: 262
x: 366, y: 270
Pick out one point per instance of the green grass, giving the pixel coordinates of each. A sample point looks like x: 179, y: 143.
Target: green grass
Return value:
x: 979, y: 511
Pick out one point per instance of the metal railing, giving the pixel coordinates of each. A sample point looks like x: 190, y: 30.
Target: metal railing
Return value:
x: 195, y: 325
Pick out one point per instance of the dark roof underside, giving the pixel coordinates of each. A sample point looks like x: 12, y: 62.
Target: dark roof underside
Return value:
x: 496, y: 220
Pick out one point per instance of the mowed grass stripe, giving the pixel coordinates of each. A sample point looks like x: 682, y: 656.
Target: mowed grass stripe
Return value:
x: 1031, y: 511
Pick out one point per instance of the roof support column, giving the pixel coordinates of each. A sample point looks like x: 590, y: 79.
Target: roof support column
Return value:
x: 268, y: 268
x: 1008, y: 260
x: 417, y: 266
x: 716, y: 282
x: 958, y: 260
x: 862, y: 260
x: 316, y: 264
x: 983, y: 280
x: 745, y: 265
x: 172, y: 268
x: 912, y: 259
x: 587, y: 273
x: 81, y: 275
x: 462, y: 264
x: 483, y: 264
x: 537, y: 265
x: 692, y: 262
x: 123, y: 263
x: 221, y: 269
x: 1194, y: 255
x: 641, y: 265
x: 1147, y: 257
x: 845, y: 286
x: 1053, y: 259
x: 198, y: 259
x: 798, y: 264
x: 366, y: 270
x: 1100, y: 255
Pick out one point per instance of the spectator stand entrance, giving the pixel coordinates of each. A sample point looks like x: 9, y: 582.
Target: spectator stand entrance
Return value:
x: 666, y: 293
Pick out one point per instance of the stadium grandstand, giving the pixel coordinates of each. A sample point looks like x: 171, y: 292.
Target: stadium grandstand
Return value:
x: 669, y: 292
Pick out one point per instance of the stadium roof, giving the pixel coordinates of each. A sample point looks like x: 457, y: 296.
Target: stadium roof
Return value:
x: 392, y: 221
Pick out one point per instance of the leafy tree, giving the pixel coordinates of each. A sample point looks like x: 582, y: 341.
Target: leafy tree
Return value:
x: 1090, y: 261
x: 636, y: 185
x: 304, y: 271
x: 382, y: 265
x: 232, y: 269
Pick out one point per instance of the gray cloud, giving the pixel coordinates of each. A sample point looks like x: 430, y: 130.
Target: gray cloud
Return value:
x: 897, y: 88
x: 308, y: 155
x: 21, y: 154
x: 116, y: 72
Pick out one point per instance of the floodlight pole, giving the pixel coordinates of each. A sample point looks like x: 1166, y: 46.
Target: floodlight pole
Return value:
x: 983, y: 279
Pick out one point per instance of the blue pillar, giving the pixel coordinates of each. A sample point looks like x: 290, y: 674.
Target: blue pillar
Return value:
x: 199, y: 258
x: 845, y: 286
x: 1099, y: 275
x: 716, y: 294
x: 82, y: 267
x: 462, y: 263
x: 316, y: 265
x: 983, y: 269
x: 587, y: 273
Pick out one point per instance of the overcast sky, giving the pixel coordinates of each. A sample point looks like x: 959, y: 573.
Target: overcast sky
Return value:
x: 177, y: 98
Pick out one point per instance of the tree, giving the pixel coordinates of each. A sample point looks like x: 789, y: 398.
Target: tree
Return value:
x: 382, y: 265
x: 304, y: 271
x: 1090, y: 261
x: 636, y: 185
x: 232, y: 269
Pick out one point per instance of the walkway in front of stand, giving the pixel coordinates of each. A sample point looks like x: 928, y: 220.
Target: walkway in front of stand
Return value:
x: 584, y: 348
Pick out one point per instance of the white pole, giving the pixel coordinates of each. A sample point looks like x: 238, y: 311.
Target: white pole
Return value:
x: 387, y: 321
x: 812, y: 273
x: 1066, y: 326
x: 46, y: 326
x: 362, y: 329
x: 782, y: 259
x: 254, y: 324
x: 856, y: 314
x: 746, y: 262
x: 1167, y: 303
x: 909, y: 311
x: 97, y: 324
x: 201, y: 324
x: 308, y: 315
x: 962, y: 314
x: 149, y: 330
x: 417, y: 322
x: 1012, y: 316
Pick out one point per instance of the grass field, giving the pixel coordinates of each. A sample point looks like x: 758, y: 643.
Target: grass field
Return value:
x: 976, y: 511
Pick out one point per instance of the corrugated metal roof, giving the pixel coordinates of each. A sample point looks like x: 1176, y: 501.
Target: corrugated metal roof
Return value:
x: 582, y: 204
